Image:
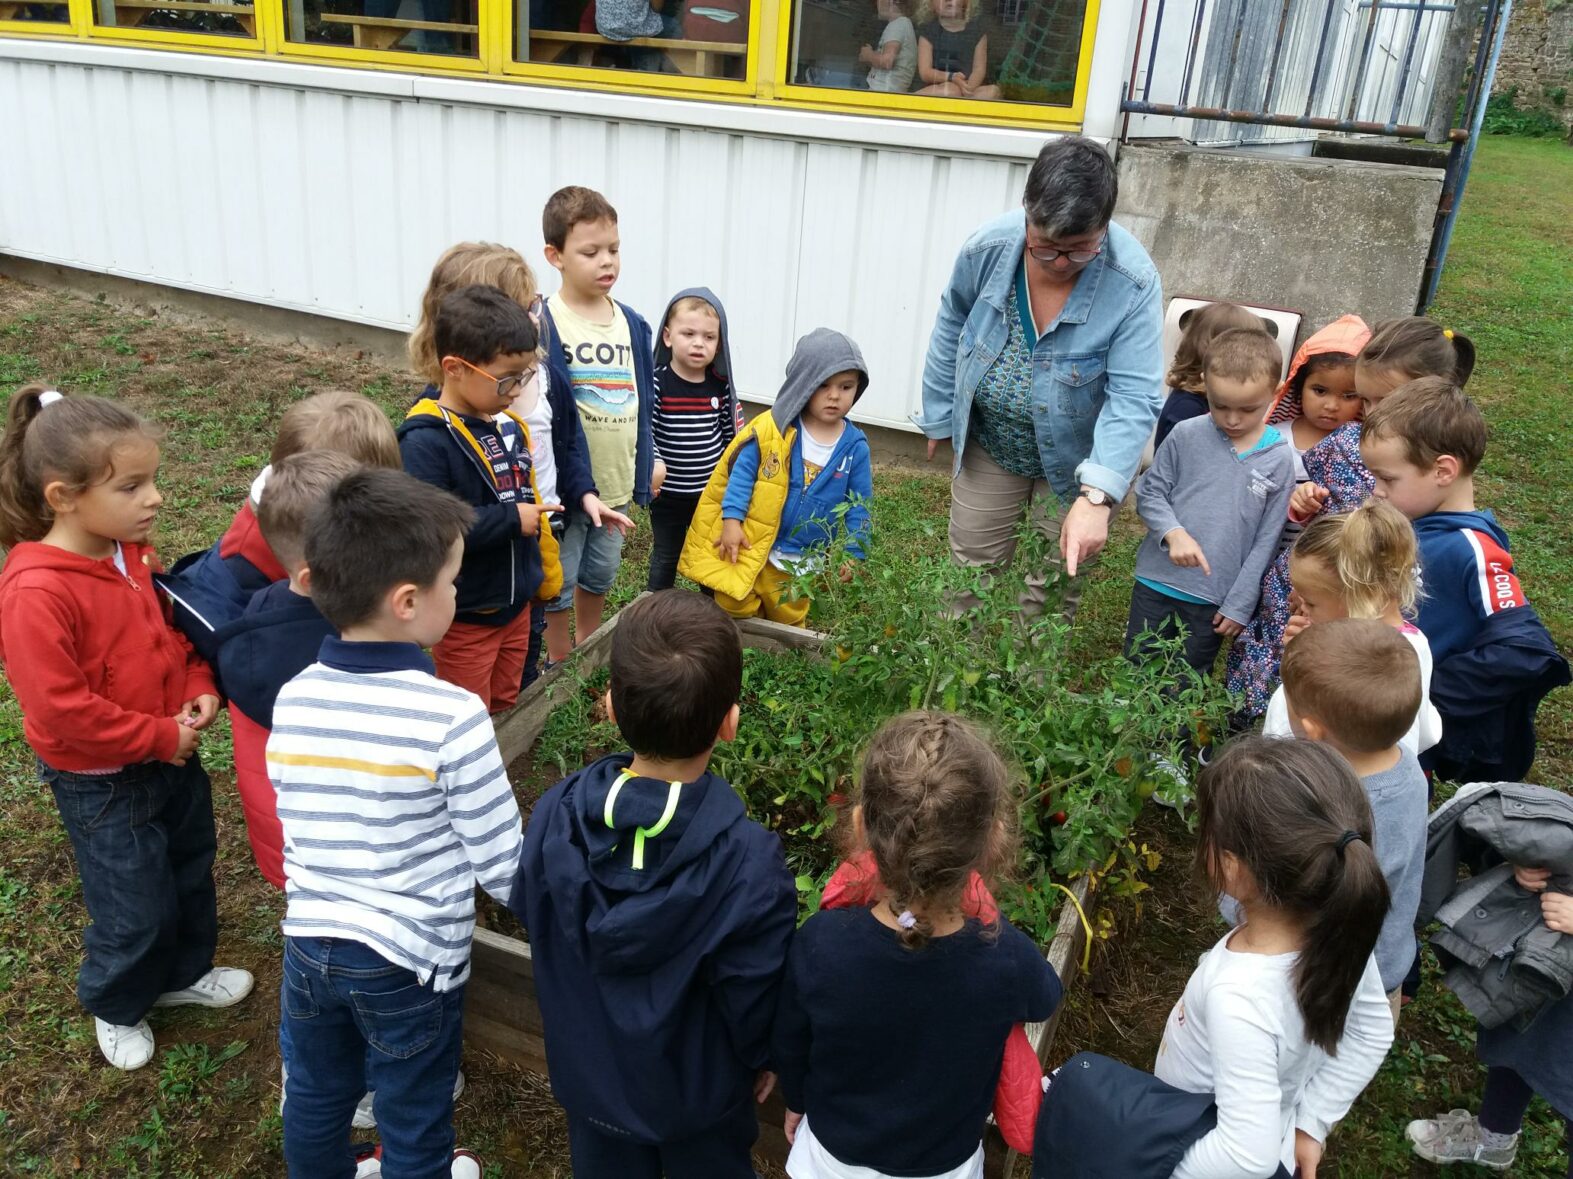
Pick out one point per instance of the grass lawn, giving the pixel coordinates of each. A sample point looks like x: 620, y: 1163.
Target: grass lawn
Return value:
x: 207, y: 1105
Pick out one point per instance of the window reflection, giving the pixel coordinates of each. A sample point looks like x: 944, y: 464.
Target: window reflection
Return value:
x: 413, y: 26
x: 45, y: 13
x: 1019, y: 50
x: 696, y: 38
x: 235, y: 18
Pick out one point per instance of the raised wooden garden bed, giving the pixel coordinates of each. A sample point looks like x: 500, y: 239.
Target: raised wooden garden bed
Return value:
x: 502, y: 1015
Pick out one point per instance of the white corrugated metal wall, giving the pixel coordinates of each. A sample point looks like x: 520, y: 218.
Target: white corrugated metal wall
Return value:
x: 338, y: 203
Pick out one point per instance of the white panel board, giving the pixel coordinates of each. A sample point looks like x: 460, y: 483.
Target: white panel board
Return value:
x: 338, y: 202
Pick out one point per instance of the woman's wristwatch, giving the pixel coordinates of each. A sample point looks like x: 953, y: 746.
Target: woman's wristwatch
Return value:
x: 1097, y: 497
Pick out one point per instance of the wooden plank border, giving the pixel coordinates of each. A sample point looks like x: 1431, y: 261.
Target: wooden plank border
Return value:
x: 501, y: 1012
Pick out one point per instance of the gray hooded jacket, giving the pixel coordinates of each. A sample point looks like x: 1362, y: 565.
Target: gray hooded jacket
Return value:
x: 1506, y: 964
x: 820, y: 355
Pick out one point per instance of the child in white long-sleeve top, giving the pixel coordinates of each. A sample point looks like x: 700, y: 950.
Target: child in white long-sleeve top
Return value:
x: 1285, y: 1020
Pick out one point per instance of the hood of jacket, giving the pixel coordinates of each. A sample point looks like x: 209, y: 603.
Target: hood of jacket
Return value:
x: 274, y: 640
x: 1112, y: 1119
x: 34, y: 561
x: 243, y: 539
x: 619, y: 847
x: 1346, y: 335
x: 818, y: 356
x: 1439, y: 522
x: 721, y: 366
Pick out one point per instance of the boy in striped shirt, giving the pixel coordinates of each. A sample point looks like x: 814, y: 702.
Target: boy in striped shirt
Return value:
x: 696, y: 415
x: 394, y: 803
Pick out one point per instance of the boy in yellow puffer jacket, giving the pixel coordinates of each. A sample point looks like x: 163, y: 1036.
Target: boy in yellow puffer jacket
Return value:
x: 466, y: 442
x: 771, y: 503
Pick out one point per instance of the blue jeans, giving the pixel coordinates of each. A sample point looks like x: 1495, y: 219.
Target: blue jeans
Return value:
x: 144, y: 844
x: 350, y: 1021
x: 590, y: 557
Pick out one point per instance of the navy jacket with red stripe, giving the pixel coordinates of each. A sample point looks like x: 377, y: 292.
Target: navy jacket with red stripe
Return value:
x: 1467, y: 572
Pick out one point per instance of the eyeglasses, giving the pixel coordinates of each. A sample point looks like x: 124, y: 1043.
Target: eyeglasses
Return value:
x: 505, y: 385
x: 1048, y: 256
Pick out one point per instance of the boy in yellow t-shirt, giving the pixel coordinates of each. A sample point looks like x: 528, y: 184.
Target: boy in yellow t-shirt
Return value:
x: 601, y: 349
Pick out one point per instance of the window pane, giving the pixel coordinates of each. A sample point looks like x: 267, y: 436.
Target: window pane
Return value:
x: 699, y: 38
x: 414, y: 26
x: 1017, y: 50
x: 50, y: 13
x: 234, y: 18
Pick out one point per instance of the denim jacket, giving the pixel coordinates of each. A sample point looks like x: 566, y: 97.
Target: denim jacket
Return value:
x: 1098, y: 369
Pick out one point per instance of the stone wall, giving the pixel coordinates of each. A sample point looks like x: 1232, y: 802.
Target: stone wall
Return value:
x: 1319, y: 236
x: 1537, y: 56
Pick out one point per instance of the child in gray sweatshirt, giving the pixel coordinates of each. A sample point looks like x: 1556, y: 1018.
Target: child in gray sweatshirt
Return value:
x: 1354, y: 684
x: 1214, y: 501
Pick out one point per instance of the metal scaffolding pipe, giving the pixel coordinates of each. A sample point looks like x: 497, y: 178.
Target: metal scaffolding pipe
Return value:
x: 1266, y: 119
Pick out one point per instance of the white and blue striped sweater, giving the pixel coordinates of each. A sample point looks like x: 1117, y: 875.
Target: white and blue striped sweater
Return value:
x: 394, y: 803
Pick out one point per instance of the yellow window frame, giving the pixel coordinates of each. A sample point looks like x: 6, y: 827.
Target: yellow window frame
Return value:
x: 641, y: 81
x: 764, y: 84
x: 949, y: 110
x: 55, y: 27
x: 84, y: 21
x: 407, y: 60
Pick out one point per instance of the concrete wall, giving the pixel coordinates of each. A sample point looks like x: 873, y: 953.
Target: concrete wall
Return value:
x: 1537, y: 56
x: 1322, y: 237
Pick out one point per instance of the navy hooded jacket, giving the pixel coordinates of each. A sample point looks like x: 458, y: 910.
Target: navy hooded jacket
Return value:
x: 501, y: 569
x: 659, y: 943
x: 1467, y: 576
x: 1105, y: 1120
x: 560, y: 382
x: 1487, y: 695
x: 276, y: 639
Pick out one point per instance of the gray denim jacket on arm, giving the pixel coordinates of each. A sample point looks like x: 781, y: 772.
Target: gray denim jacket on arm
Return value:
x: 1097, y: 380
x: 1506, y: 963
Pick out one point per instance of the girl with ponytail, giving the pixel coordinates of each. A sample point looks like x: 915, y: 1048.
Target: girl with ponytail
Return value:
x: 1398, y: 351
x: 1285, y: 1020
x: 892, y: 1021
x: 113, y: 704
x: 1359, y: 564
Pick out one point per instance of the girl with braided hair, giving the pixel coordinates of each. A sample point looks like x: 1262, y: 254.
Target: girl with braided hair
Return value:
x: 874, y: 998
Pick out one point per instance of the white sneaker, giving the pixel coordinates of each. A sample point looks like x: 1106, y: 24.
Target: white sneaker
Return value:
x: 1455, y: 1137
x: 366, y: 1119
x: 223, y: 986
x: 125, y: 1046
x: 465, y: 1165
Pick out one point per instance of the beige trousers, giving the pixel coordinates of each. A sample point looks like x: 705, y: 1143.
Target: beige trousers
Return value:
x: 987, y: 506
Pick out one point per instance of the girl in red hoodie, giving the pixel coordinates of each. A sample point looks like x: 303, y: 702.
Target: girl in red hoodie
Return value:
x: 113, y: 701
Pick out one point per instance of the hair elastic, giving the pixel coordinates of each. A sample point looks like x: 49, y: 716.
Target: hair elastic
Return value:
x: 49, y: 397
x: 906, y: 920
x: 1345, y: 840
x: 1447, y: 333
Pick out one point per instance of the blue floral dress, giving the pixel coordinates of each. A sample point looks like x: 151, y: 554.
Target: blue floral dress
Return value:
x: 1333, y: 463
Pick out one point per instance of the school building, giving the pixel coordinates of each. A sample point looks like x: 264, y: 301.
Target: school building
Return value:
x: 315, y: 156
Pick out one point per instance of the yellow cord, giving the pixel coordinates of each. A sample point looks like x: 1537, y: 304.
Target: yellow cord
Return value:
x: 1086, y: 950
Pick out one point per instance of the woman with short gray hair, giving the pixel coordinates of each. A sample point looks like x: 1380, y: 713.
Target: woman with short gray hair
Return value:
x: 1045, y: 370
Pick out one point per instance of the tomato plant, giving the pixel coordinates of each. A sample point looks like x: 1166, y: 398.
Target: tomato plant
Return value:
x: 1086, y: 734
